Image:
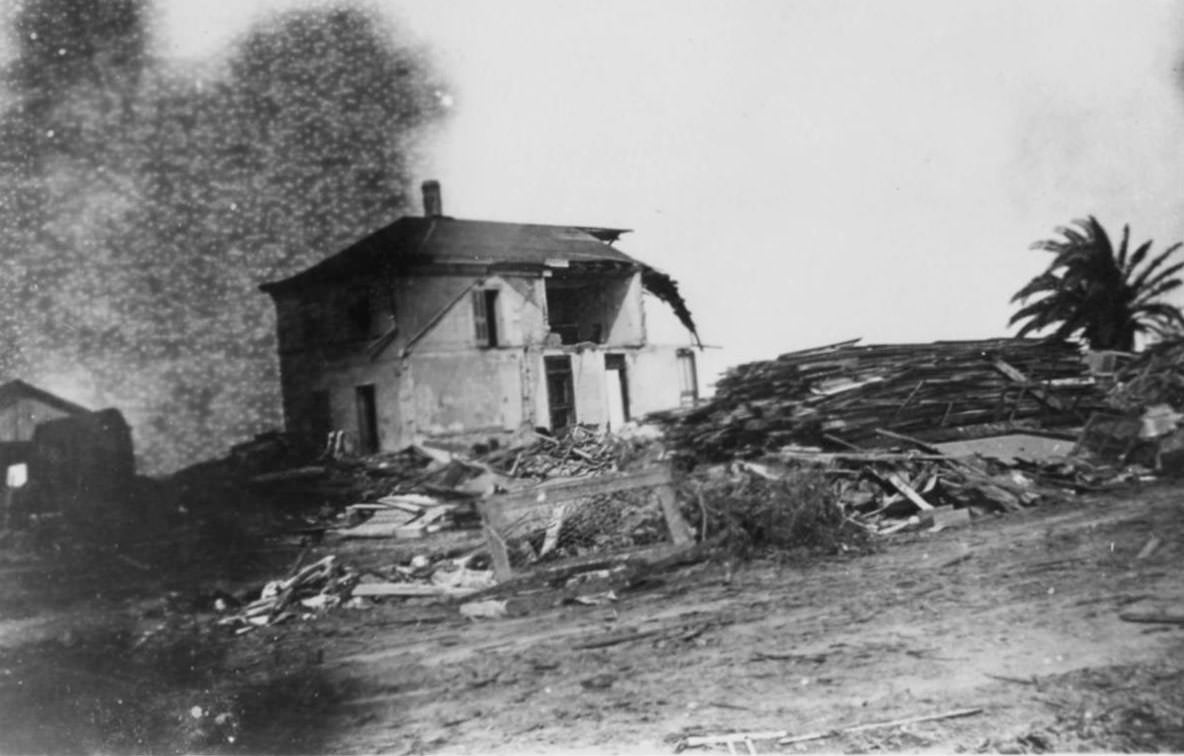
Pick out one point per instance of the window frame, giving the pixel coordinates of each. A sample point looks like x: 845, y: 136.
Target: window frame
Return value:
x: 485, y: 317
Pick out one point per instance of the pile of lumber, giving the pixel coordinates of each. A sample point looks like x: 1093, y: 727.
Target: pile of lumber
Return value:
x: 844, y: 396
x: 579, y: 451
x: 399, y: 516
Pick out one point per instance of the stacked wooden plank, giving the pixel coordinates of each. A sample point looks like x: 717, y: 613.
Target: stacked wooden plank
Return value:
x: 845, y: 395
x: 403, y: 516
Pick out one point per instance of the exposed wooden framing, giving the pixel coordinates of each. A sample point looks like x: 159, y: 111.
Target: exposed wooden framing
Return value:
x: 1015, y: 406
x: 500, y: 512
x: 1041, y: 395
x: 909, y: 492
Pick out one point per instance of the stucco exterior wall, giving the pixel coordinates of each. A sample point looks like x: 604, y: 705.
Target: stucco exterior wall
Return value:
x: 461, y: 392
x: 433, y: 379
x: 520, y: 316
x: 628, y: 328
x: 587, y: 370
x: 654, y: 379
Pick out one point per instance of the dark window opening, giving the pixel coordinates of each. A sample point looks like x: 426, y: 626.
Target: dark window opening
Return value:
x: 688, y: 378
x: 367, y: 419
x: 485, y: 316
x: 358, y: 313
x: 561, y: 395
x: 310, y: 322
x: 618, y: 387
x: 577, y: 312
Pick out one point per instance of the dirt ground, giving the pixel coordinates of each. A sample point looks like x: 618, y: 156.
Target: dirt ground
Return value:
x: 1015, y: 615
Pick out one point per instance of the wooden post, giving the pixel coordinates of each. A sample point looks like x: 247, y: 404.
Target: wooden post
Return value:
x: 493, y: 520
x: 680, y: 532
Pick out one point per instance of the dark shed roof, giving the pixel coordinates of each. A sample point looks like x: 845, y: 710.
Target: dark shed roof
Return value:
x: 16, y: 390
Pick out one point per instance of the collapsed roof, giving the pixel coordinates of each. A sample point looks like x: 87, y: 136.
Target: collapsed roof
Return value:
x: 412, y: 242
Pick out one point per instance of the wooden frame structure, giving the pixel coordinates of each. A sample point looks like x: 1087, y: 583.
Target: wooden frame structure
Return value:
x: 499, y: 512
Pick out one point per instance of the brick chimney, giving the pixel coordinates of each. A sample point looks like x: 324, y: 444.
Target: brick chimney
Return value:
x: 433, y: 202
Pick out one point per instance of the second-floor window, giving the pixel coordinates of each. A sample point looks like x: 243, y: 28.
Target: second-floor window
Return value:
x: 358, y: 314
x: 485, y: 317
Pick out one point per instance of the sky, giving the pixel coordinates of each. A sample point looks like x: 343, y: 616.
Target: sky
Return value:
x: 808, y: 170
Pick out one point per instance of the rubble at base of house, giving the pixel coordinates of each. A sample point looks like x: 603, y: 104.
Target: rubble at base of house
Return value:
x: 906, y: 438
x: 424, y: 489
x: 580, y: 451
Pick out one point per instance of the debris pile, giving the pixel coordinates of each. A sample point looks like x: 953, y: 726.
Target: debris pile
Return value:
x: 424, y: 577
x: 891, y: 491
x: 326, y: 584
x: 586, y: 526
x: 423, y: 490
x: 879, y: 492
x: 1147, y: 425
x: 748, y: 508
x: 1155, y: 376
x: 311, y: 589
x: 403, y: 516
x: 845, y: 396
x: 579, y: 451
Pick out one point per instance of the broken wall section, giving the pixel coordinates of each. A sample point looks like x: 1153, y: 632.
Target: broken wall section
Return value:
x: 599, y: 309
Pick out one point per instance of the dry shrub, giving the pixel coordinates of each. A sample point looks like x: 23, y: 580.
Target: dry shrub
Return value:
x: 753, y: 515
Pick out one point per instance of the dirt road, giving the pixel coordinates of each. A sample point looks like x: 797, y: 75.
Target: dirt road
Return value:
x: 1016, y: 615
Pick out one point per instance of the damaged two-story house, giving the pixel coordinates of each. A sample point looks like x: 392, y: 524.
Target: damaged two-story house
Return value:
x: 440, y: 328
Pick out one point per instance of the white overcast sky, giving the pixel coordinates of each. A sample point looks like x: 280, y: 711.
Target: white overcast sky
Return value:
x: 809, y: 171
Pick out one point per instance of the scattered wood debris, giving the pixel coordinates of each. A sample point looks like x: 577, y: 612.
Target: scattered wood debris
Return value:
x: 1149, y: 548
x: 784, y: 737
x: 316, y: 587
x: 956, y: 713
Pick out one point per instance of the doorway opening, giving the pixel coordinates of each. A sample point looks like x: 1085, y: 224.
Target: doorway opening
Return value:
x: 616, y: 391
x: 367, y: 419
x: 561, y: 395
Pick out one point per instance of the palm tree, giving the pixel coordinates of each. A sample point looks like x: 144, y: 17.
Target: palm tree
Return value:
x: 1089, y: 290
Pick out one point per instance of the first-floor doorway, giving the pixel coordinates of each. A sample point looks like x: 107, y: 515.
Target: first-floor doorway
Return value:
x: 367, y: 408
x: 561, y: 395
x: 616, y: 391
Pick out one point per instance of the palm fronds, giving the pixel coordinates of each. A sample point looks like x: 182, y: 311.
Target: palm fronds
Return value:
x: 1098, y: 293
